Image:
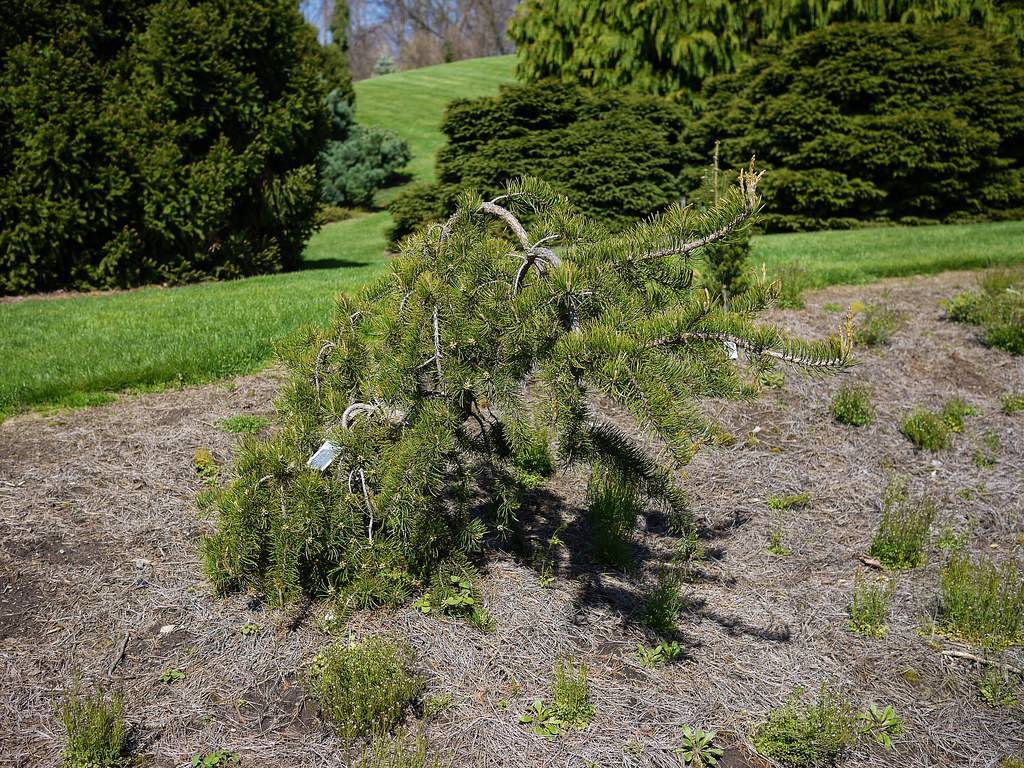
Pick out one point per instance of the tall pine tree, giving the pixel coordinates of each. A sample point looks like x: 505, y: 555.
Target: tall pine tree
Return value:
x: 439, y: 393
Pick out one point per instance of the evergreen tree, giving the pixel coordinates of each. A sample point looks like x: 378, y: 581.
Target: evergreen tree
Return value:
x: 358, y: 159
x: 385, y: 65
x: 437, y: 394
x: 148, y: 141
x: 335, y: 54
x: 885, y: 122
x: 669, y: 48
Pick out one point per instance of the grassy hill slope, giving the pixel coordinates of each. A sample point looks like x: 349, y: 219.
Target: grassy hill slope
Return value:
x: 412, y: 103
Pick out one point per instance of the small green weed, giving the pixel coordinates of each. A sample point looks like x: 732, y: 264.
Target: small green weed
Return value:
x: 250, y: 629
x: 870, y: 607
x: 997, y: 688
x: 955, y: 413
x: 435, y: 705
x: 880, y: 724
x: 689, y: 551
x: 455, y: 594
x: 244, y: 424
x: 96, y: 730
x: 658, y: 655
x: 803, y: 734
x: 387, y: 752
x: 800, y: 500
x: 1012, y: 402
x: 364, y: 688
x: 543, y: 721
x: 902, y: 533
x: 219, y: 759
x: 986, y: 455
x: 571, y: 694
x: 545, y: 557
x: 777, y: 535
x: 877, y: 323
x: 983, y: 602
x: 169, y: 676
x: 951, y: 540
x: 662, y: 604
x: 699, y: 749
x: 998, y: 307
x: 613, y: 501
x: 852, y: 406
x: 206, y: 465
x: 926, y: 430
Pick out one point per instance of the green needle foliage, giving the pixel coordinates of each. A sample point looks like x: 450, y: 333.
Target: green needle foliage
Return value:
x: 96, y: 730
x: 420, y: 382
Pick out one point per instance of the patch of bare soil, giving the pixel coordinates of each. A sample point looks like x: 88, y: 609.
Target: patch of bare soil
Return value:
x: 99, y: 579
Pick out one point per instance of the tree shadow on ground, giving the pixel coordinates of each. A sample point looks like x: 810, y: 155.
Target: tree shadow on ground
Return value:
x: 547, y: 517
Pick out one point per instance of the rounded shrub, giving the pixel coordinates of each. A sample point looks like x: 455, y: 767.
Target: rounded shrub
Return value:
x: 160, y: 141
x: 874, y: 122
x: 358, y: 160
x: 616, y: 155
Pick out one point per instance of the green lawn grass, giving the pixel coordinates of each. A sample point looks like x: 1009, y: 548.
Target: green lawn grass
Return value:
x: 864, y: 255
x: 412, y: 103
x: 73, y: 351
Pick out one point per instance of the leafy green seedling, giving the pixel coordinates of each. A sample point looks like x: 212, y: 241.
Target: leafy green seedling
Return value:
x: 543, y: 720
x: 880, y: 724
x: 698, y: 748
x: 172, y: 675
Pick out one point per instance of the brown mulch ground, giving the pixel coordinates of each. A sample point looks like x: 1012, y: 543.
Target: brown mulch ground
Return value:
x: 97, y: 556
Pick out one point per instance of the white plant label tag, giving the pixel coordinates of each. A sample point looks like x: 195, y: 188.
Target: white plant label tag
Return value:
x: 733, y: 352
x: 324, y: 455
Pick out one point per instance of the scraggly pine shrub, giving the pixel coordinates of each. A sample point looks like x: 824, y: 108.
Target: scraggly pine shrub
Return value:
x: 155, y: 141
x: 874, y: 122
x: 420, y: 382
